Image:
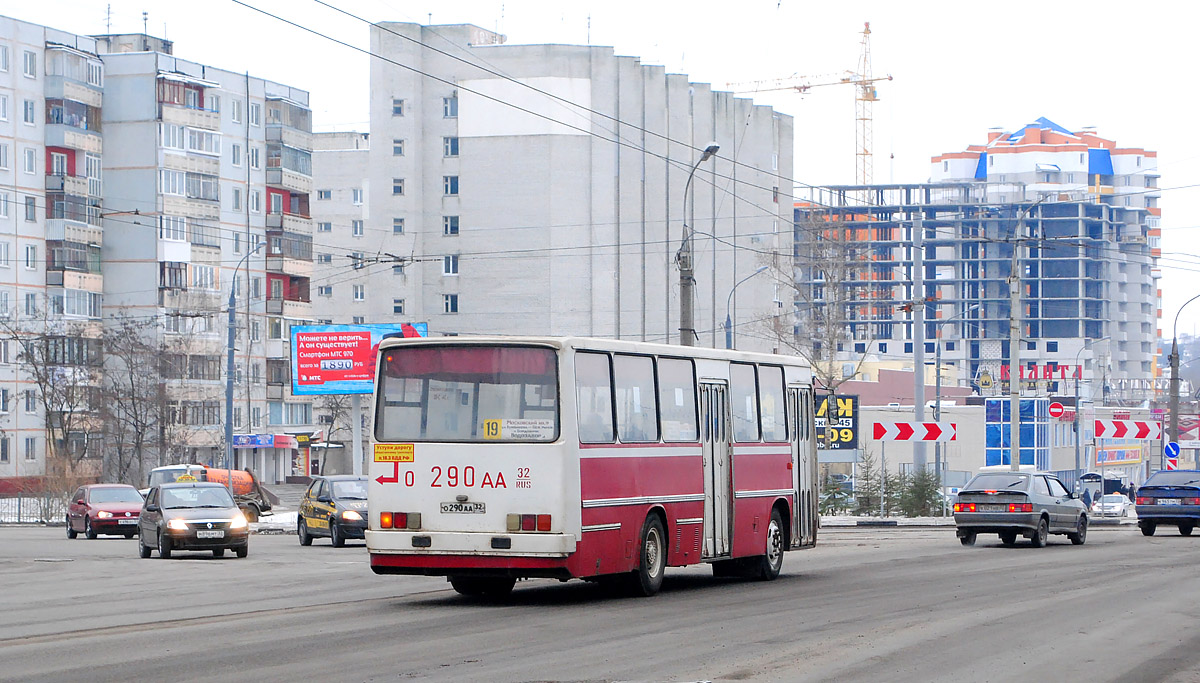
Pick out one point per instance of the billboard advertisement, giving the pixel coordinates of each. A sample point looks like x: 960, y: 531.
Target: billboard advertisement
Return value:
x: 340, y: 359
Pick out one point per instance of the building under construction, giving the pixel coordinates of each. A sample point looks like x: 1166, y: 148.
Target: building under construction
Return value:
x: 1081, y: 211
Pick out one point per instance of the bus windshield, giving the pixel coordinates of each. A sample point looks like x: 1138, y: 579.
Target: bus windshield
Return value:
x: 467, y: 394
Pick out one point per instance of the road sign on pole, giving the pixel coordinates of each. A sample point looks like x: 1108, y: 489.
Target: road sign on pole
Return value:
x: 1127, y: 429
x: 1056, y: 410
x: 1171, y: 464
x: 915, y: 431
x: 1172, y: 450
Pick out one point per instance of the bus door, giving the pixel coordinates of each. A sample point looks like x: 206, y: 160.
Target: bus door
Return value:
x: 718, y: 469
x: 804, y: 470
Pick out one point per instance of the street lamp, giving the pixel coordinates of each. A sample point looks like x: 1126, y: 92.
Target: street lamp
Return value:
x: 728, y: 300
x: 229, y: 368
x: 1174, y: 358
x: 1078, y: 436
x: 937, y: 395
x: 687, y: 269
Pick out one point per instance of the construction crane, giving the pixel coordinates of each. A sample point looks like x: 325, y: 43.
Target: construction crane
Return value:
x: 864, y: 99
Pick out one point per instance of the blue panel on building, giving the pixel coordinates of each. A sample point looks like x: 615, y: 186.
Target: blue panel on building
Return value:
x: 981, y: 167
x: 1099, y: 162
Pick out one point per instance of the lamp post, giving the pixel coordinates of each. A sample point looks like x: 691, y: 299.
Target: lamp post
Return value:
x: 1078, y: 436
x: 229, y: 368
x: 728, y: 301
x: 937, y: 394
x: 1014, y: 343
x: 687, y: 269
x: 1174, y: 358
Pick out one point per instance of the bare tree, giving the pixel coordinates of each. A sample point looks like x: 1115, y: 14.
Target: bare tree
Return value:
x: 135, y: 399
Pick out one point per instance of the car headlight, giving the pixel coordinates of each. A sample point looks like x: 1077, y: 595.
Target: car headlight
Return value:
x: 351, y: 516
x: 104, y: 514
x: 238, y: 521
x: 177, y: 524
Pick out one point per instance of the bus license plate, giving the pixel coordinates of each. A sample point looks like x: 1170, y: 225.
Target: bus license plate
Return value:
x: 215, y: 533
x: 468, y: 508
x: 1168, y: 501
x: 993, y: 508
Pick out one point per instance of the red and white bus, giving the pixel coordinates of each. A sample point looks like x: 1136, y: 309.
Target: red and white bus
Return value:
x: 498, y: 458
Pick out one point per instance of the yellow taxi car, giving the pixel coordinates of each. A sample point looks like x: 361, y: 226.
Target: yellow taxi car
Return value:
x: 334, y: 506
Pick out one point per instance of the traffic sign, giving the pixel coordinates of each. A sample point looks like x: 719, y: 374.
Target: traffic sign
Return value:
x: 1125, y: 429
x: 1172, y: 464
x: 1172, y: 450
x: 915, y: 431
x: 1056, y: 410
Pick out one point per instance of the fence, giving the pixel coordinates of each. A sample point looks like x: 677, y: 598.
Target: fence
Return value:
x: 28, y: 509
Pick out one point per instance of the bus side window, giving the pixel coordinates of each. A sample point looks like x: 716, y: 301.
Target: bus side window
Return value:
x: 677, y: 399
x: 770, y: 397
x: 637, y: 405
x: 593, y: 393
x: 743, y: 399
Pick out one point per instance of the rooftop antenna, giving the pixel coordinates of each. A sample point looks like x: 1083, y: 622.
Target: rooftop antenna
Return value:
x: 589, y: 30
x: 145, y: 19
x: 430, y: 15
x: 108, y: 19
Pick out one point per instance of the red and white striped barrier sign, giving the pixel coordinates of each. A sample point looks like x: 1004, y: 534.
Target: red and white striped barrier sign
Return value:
x: 915, y: 431
x: 1172, y: 464
x: 1128, y: 429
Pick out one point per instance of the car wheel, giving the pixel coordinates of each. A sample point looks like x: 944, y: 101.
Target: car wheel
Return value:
x: 1040, y: 534
x: 1009, y: 538
x: 335, y: 536
x: 218, y: 552
x: 483, y: 586
x: 1186, y: 529
x: 647, y: 579
x: 967, y: 539
x: 71, y: 533
x: 1080, y: 535
x: 302, y: 532
x: 88, y: 530
x: 771, y: 562
x: 164, y: 546
x: 143, y: 549
x: 242, y: 551
x: 1148, y: 528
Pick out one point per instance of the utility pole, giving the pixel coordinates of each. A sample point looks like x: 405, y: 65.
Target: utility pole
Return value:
x: 1014, y: 349
x: 687, y: 267
x: 918, y: 335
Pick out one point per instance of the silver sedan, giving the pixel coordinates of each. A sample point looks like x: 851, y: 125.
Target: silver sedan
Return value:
x: 1011, y: 504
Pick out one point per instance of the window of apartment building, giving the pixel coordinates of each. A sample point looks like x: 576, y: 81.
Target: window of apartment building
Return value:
x: 398, y: 269
x: 4, y: 357
x: 29, y: 64
x: 360, y: 292
x: 775, y: 194
x: 397, y: 226
x: 204, y: 277
x: 325, y: 290
x: 31, y: 448
x: 450, y: 303
x: 397, y: 107
x: 3, y: 107
x: 450, y: 147
x: 356, y: 196
x: 3, y: 205
x: 450, y: 185
x: 58, y: 164
x: 357, y: 261
x: 235, y: 111
x: 450, y: 107
x: 172, y: 182
x: 397, y: 185
x: 235, y: 155
x: 450, y: 265
x: 398, y: 306
x: 3, y: 155
x: 324, y: 321
x: 256, y: 201
x: 30, y: 303
x: 31, y: 257
x: 30, y: 208
x: 213, y: 102
x: 173, y: 228
x: 30, y: 161
x: 256, y: 417
x: 170, y: 136
x: 94, y: 170
x: 29, y: 112
x: 397, y: 147
x: 5, y: 260
x: 324, y: 258
x: 4, y: 58
x: 255, y: 114
x: 4, y: 446
x: 359, y: 320
x: 324, y: 226
x: 30, y: 401
x: 356, y: 228
x: 276, y: 289
x: 252, y: 155
x: 237, y: 199
x: 276, y: 204
x: 324, y: 195
x: 237, y: 418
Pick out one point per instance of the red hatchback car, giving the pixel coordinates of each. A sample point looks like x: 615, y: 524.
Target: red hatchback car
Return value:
x: 104, y: 509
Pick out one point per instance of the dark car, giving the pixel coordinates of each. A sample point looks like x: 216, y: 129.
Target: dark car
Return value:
x: 104, y: 509
x: 192, y: 516
x: 334, y: 506
x: 1169, y: 497
x: 1011, y: 504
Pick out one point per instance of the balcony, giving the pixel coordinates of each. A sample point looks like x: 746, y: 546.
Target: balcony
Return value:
x: 62, y: 135
x: 290, y: 266
x: 195, y: 208
x: 70, y: 279
x: 289, y: 136
x: 73, y: 231
x: 64, y: 88
x: 289, y: 180
x: 68, y: 184
x: 188, y: 116
x: 301, y: 310
x: 190, y: 299
x: 275, y: 348
x: 275, y: 392
x: 290, y: 223
x: 192, y: 163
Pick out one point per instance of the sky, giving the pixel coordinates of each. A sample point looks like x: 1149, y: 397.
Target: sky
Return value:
x: 958, y: 68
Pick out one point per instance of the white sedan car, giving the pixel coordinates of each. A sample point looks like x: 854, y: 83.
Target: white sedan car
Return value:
x: 1113, y: 505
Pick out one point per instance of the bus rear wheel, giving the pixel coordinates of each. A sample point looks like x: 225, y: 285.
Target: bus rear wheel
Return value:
x: 483, y: 586
x: 647, y: 579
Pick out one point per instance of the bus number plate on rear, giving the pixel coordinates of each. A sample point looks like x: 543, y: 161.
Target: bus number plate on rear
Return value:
x: 468, y: 508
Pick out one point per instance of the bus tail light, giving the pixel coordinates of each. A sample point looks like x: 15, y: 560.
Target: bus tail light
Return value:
x: 516, y: 522
x: 1020, y: 507
x: 400, y: 520
x: 964, y: 507
x: 543, y: 522
x: 385, y: 520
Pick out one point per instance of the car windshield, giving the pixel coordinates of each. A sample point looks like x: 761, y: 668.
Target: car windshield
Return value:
x: 997, y: 482
x: 1165, y: 478
x: 1113, y: 498
x: 115, y: 495
x: 353, y: 489
x: 196, y: 497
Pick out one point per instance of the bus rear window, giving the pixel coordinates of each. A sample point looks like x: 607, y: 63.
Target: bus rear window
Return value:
x: 467, y: 393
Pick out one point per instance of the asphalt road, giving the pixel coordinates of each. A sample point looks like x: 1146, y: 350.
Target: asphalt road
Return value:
x: 865, y: 605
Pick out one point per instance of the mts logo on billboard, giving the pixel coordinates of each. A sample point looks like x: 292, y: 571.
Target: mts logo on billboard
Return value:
x: 1045, y: 372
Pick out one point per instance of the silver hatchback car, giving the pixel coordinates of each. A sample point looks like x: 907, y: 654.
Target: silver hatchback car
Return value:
x: 1011, y: 504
